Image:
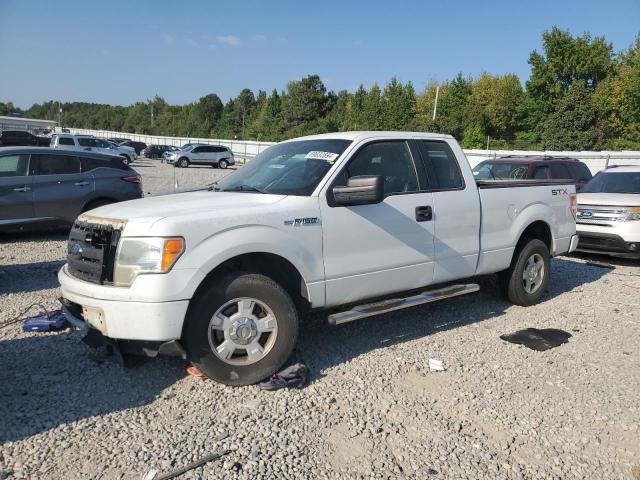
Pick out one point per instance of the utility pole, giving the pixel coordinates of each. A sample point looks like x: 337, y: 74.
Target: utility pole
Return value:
x: 242, y: 123
x: 435, y: 104
x: 488, y: 142
x: 152, y: 114
x: 59, y: 114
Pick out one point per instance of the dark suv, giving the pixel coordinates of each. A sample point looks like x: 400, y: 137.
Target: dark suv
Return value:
x: 17, y: 138
x: 45, y: 184
x: 534, y: 168
x: 156, y: 151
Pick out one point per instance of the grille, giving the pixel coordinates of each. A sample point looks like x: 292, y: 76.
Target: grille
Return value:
x: 91, y: 251
x: 600, y: 215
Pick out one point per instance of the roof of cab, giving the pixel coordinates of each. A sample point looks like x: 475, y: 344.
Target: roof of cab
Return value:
x: 363, y: 135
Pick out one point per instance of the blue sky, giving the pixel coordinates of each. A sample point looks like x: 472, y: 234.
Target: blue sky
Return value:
x: 120, y: 52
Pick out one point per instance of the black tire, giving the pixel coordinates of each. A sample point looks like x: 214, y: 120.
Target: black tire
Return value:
x: 223, y: 164
x: 183, y: 162
x: 96, y: 203
x: 511, y: 280
x: 125, y: 159
x: 214, y: 296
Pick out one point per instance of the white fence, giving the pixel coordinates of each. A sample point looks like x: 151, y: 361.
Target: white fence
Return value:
x: 596, y: 161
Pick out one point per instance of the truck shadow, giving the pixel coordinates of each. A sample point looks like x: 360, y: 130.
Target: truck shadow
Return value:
x: 322, y: 346
x: 29, y: 277
x: 51, y: 380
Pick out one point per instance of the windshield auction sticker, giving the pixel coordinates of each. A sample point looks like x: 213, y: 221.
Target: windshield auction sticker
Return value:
x: 316, y: 155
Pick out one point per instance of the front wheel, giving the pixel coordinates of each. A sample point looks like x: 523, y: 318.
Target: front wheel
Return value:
x: 241, y: 328
x: 525, y: 281
x: 183, y: 163
x: 125, y: 159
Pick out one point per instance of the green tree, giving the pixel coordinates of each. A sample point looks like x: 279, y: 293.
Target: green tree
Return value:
x: 398, y: 103
x: 573, y: 125
x: 305, y: 104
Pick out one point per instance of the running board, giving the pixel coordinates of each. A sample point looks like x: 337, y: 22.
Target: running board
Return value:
x: 384, y: 306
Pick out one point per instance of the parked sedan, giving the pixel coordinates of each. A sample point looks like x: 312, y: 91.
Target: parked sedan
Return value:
x: 157, y: 151
x: 214, y: 155
x: 46, y: 184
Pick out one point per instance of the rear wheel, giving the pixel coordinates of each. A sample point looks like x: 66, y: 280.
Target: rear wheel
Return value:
x: 241, y: 328
x: 223, y: 164
x: 525, y: 281
x: 183, y: 162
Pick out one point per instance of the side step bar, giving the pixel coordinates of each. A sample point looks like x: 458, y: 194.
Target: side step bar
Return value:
x: 376, y: 308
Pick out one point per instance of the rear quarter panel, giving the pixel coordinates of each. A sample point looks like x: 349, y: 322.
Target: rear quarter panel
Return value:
x: 507, y: 211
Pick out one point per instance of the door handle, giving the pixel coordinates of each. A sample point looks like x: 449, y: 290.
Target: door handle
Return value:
x: 88, y: 149
x: 22, y: 189
x: 424, y: 213
x: 81, y: 184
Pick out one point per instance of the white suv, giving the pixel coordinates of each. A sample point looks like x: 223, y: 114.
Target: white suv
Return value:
x: 608, y: 219
x: 92, y: 144
x: 214, y: 155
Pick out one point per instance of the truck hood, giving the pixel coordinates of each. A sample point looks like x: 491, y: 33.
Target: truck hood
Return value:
x: 140, y: 215
x: 617, y: 199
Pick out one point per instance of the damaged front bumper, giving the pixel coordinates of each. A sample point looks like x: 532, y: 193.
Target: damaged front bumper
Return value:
x: 94, y: 338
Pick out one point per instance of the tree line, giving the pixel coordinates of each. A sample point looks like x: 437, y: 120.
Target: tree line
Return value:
x: 581, y: 95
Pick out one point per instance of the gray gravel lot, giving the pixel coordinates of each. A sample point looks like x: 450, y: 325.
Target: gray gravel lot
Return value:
x: 373, y: 409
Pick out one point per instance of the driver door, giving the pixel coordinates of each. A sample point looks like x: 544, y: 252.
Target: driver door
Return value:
x: 372, y: 250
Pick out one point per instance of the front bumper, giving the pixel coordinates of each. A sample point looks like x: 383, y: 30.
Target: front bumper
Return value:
x: 122, y: 319
x: 608, y: 243
x: 95, y: 338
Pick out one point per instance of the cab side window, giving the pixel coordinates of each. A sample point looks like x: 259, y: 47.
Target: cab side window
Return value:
x: 441, y: 165
x: 392, y: 160
x: 65, y: 141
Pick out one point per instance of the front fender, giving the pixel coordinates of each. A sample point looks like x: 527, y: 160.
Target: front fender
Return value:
x: 303, y: 251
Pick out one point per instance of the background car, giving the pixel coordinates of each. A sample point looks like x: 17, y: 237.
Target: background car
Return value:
x: 608, y: 218
x: 47, y: 184
x: 137, y: 146
x: 17, y: 138
x: 157, y: 151
x: 214, y: 155
x: 88, y: 143
x: 534, y: 167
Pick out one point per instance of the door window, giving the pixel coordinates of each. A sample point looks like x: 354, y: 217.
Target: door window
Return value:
x: 56, y: 164
x: 14, y: 165
x: 87, y: 142
x: 391, y: 160
x: 198, y: 150
x: 441, y: 165
x: 65, y: 141
x: 541, y: 173
x: 559, y: 171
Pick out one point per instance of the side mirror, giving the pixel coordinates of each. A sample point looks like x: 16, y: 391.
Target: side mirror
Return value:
x: 360, y: 190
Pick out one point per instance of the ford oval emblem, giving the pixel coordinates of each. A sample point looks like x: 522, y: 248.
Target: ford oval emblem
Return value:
x: 585, y: 214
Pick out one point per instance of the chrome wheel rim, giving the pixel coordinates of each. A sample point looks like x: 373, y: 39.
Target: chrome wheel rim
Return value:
x: 242, y: 331
x: 222, y: 164
x: 533, y: 273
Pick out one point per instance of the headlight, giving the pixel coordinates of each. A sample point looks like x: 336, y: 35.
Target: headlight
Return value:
x: 633, y: 213
x: 136, y: 256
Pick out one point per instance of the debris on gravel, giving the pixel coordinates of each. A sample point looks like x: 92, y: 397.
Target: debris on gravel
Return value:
x: 373, y: 408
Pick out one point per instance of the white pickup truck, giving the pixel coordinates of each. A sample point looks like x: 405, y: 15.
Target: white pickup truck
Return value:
x: 356, y: 223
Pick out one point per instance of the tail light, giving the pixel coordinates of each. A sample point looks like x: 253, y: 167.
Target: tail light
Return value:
x: 132, y: 179
x: 574, y: 206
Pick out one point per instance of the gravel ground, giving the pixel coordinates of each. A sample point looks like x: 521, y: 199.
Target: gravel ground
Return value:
x: 160, y: 178
x: 373, y: 408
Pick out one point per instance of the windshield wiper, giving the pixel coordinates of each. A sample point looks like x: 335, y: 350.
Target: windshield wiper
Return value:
x: 243, y: 188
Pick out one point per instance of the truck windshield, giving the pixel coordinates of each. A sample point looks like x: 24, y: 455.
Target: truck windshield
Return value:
x: 290, y: 168
x: 500, y: 171
x: 613, y: 182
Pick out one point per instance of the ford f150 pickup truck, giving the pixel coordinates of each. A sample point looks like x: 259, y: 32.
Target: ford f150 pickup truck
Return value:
x: 356, y: 223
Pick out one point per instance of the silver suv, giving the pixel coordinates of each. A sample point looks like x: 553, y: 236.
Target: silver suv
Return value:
x: 214, y: 155
x: 88, y: 143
